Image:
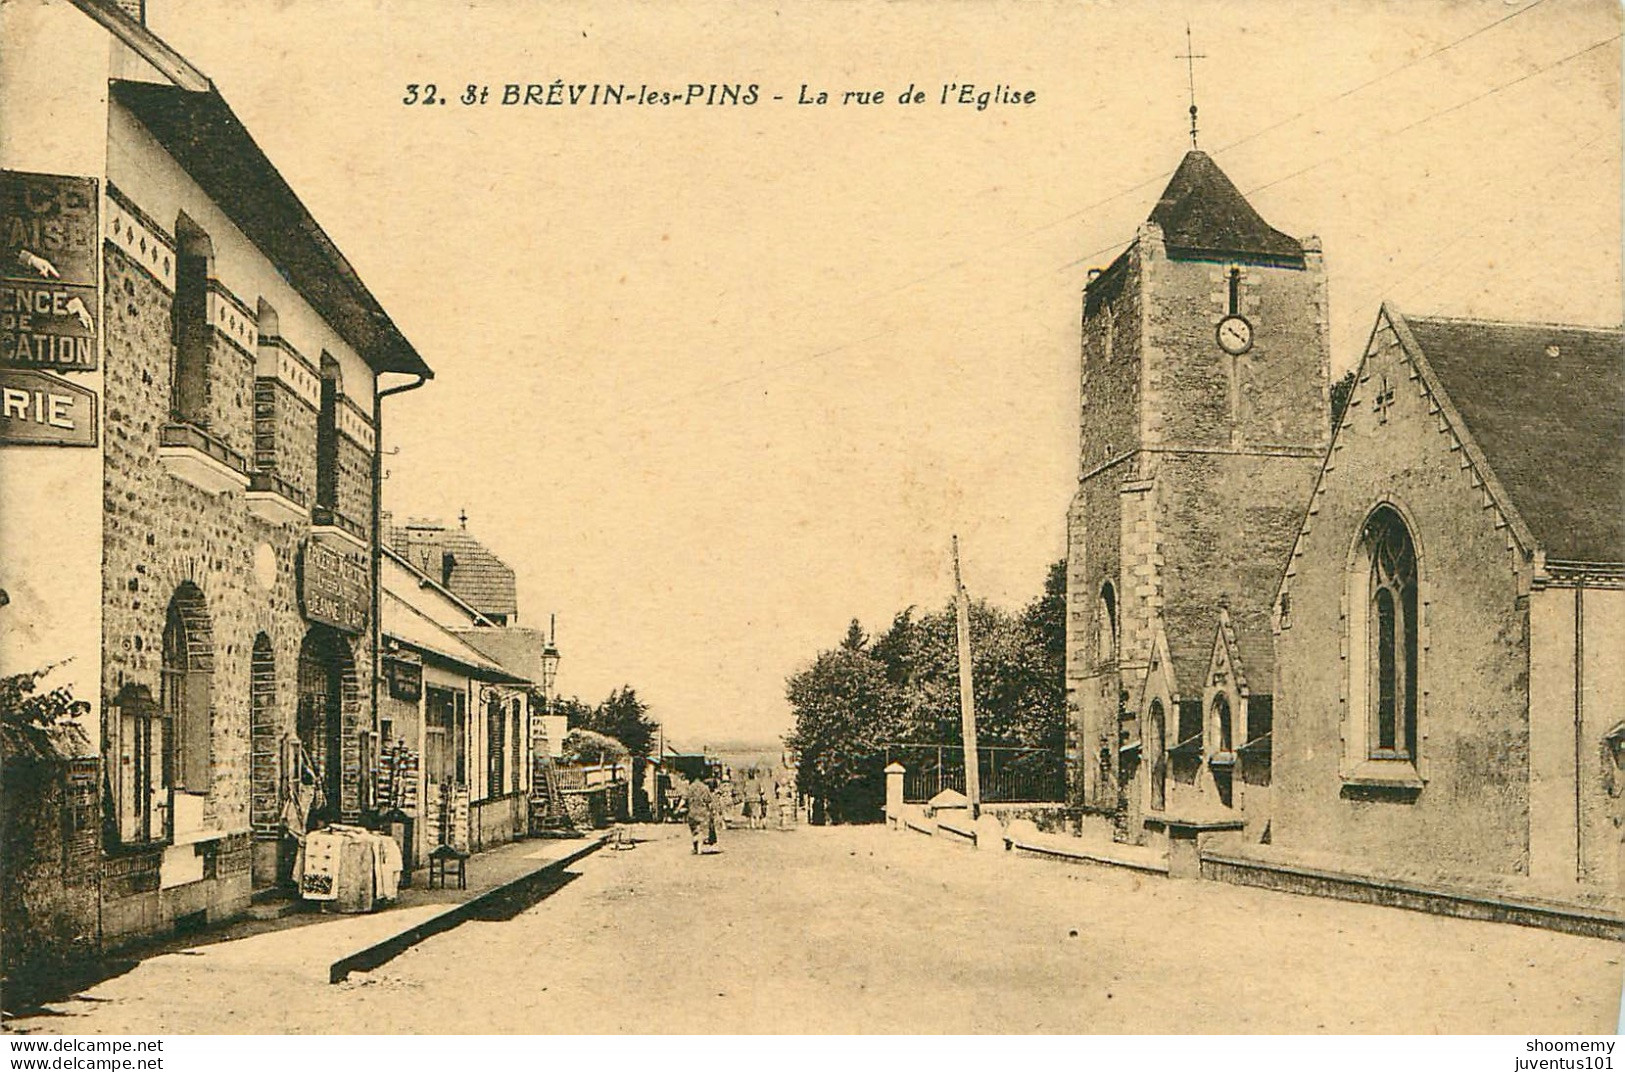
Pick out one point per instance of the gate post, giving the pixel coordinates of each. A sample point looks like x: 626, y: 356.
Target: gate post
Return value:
x: 894, y: 793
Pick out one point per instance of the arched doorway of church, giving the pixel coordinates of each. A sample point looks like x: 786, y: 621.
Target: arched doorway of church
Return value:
x: 1156, y: 754
x: 326, y: 676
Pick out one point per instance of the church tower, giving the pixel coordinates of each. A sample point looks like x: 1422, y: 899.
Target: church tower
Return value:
x: 1204, y: 416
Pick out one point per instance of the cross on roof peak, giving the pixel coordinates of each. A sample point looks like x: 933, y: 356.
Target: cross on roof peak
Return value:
x: 1190, y: 56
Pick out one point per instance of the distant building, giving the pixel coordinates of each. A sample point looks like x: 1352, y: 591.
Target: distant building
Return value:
x: 460, y: 563
x: 454, y: 722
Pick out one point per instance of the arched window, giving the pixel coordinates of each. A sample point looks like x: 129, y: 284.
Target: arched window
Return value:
x: 186, y: 686
x: 327, y: 435
x: 1106, y: 624
x: 1156, y: 753
x: 189, y: 325
x: 1222, y: 730
x: 326, y: 672
x: 1391, y: 619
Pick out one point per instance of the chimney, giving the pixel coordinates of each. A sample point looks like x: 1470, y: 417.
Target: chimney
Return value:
x: 448, y: 562
x: 136, y: 9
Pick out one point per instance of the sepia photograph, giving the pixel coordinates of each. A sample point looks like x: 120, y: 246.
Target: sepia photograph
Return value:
x: 878, y: 518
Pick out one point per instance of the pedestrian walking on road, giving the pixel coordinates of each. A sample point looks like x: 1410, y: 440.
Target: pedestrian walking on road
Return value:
x: 718, y: 815
x: 761, y: 805
x: 699, y: 802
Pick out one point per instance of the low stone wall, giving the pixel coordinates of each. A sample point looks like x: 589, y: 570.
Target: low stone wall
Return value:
x: 1049, y: 818
x: 1464, y: 903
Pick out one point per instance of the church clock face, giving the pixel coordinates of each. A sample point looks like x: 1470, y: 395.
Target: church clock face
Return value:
x: 1235, y: 335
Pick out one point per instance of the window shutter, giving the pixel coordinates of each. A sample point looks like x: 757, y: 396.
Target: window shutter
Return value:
x: 194, y: 733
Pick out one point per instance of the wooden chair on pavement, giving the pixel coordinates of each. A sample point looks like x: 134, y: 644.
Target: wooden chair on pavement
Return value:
x: 445, y: 859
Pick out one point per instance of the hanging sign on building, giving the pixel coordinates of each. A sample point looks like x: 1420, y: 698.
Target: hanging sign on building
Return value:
x: 333, y: 586
x: 39, y: 409
x: 49, y: 300
x: 404, y: 676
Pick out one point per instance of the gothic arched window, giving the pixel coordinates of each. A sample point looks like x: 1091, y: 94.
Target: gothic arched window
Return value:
x: 1106, y: 625
x: 1224, y: 738
x: 1391, y: 621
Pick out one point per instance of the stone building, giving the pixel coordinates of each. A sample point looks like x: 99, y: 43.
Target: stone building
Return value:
x: 1343, y: 660
x: 1451, y: 615
x: 228, y: 651
x: 1204, y: 415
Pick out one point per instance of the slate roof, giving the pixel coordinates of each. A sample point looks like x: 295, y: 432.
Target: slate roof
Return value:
x: 1546, y: 405
x: 479, y: 577
x: 1204, y: 216
x: 1249, y: 639
x: 1188, y: 626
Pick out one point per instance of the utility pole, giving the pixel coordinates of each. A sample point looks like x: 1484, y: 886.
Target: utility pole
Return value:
x: 967, y: 699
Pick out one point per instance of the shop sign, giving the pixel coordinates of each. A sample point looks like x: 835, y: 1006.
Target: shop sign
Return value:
x: 49, y: 298
x: 333, y: 584
x: 404, y: 677
x: 37, y: 408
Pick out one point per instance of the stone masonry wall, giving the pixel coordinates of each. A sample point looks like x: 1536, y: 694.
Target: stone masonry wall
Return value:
x: 1473, y: 740
x: 160, y: 532
x: 285, y: 435
x: 355, y: 482
x: 1109, y: 399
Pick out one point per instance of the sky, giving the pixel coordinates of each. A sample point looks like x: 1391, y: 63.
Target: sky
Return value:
x: 717, y: 380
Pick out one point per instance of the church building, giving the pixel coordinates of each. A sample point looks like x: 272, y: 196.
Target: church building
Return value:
x: 1450, y: 620
x: 1204, y: 416
x: 1354, y: 658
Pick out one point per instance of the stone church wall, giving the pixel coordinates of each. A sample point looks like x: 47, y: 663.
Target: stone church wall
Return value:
x: 1473, y: 741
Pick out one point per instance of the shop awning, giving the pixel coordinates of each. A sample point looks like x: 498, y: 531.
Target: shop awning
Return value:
x: 413, y: 629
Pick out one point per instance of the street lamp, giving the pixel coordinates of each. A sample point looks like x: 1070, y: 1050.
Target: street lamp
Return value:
x: 550, y: 671
x: 543, y: 794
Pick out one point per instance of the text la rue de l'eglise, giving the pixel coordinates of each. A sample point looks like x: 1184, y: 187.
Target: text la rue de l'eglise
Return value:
x: 562, y: 94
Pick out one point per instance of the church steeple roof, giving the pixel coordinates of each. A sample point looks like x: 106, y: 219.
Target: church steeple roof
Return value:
x: 1204, y: 216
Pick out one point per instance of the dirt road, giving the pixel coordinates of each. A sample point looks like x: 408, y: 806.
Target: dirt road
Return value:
x: 866, y: 930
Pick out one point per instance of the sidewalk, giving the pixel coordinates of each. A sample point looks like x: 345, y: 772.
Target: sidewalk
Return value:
x: 328, y: 946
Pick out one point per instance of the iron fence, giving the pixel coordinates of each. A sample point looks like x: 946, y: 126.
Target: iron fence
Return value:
x: 1007, y: 775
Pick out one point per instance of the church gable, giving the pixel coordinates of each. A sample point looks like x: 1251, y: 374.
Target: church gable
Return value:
x: 1237, y: 666
x: 1398, y: 413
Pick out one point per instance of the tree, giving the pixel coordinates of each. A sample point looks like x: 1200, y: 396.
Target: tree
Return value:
x: 845, y: 710
x: 626, y: 718
x: 585, y: 746
x: 902, y: 686
x: 40, y: 724
x: 577, y: 715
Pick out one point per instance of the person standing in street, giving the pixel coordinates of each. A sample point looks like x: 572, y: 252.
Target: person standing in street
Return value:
x: 718, y: 814
x: 700, y: 805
